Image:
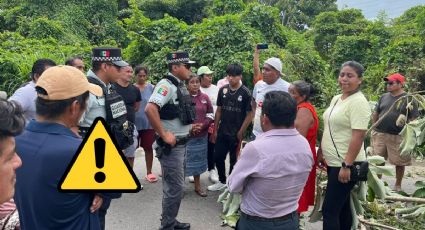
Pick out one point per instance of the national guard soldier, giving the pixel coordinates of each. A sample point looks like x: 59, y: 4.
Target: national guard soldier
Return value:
x: 106, y: 65
x: 171, y: 113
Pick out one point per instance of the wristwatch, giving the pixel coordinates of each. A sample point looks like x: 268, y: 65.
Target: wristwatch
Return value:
x: 346, y: 166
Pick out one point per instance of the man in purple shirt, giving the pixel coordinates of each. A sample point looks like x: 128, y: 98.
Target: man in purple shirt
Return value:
x: 273, y: 169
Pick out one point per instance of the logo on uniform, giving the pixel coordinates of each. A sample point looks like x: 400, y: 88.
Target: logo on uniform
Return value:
x: 240, y: 98
x: 203, y: 101
x: 224, y: 90
x: 260, y: 104
x: 163, y: 90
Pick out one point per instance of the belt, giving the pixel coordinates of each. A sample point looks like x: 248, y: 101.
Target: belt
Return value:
x: 182, y: 140
x: 285, y: 217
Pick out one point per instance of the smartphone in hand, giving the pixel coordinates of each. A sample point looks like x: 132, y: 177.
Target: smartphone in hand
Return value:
x: 262, y: 46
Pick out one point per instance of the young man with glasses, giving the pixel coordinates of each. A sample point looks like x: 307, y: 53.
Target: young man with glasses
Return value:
x: 385, y: 136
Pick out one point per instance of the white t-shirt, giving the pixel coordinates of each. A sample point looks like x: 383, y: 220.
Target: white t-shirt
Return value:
x: 260, y: 90
x: 25, y: 97
x: 212, y: 93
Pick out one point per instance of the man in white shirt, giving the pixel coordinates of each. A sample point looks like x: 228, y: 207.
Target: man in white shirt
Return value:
x: 205, y: 75
x: 272, y: 81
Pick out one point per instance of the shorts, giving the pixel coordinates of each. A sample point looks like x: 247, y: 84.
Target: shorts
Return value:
x: 130, y: 150
x: 146, y: 139
x: 387, y: 146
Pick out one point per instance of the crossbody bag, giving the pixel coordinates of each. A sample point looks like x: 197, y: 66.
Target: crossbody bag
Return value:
x: 359, y: 169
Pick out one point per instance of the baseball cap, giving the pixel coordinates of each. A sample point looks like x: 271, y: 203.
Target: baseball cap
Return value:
x: 64, y: 82
x: 395, y: 77
x: 204, y: 70
x: 108, y: 54
x: 275, y: 63
x: 179, y: 57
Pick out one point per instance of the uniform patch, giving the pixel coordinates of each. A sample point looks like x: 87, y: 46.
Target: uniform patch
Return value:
x: 163, y: 90
x: 240, y: 98
x: 260, y: 104
x: 224, y: 90
x: 203, y: 101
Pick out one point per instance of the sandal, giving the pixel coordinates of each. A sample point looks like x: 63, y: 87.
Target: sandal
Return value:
x: 201, y: 193
x: 151, y: 178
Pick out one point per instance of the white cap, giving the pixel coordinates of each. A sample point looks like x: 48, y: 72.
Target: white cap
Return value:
x: 275, y: 63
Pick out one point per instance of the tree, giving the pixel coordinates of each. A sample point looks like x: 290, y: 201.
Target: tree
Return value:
x: 157, y: 9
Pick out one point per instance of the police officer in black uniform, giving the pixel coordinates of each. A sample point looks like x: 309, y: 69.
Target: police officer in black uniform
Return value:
x: 171, y: 113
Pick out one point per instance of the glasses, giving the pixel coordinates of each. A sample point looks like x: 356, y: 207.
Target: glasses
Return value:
x: 187, y: 66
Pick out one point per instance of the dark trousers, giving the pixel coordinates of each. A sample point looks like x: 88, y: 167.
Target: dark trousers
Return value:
x: 223, y: 145
x: 103, y: 210
x: 336, y: 206
x: 211, y: 164
x: 173, y: 165
x: 248, y: 223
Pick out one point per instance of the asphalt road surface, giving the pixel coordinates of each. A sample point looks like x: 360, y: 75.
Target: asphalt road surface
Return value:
x: 142, y: 210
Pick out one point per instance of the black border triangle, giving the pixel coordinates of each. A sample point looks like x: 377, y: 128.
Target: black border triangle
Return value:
x: 80, y: 148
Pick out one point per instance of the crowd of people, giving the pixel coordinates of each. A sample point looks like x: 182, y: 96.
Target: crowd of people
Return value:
x: 193, y: 125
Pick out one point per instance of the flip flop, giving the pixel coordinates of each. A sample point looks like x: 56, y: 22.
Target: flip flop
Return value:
x: 151, y: 178
x: 201, y: 193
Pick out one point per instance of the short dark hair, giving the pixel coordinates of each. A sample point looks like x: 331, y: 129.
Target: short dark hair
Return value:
x: 280, y: 108
x: 357, y: 67
x: 40, y: 65
x: 139, y: 68
x: 70, y: 61
x: 53, y: 109
x: 12, y: 119
x: 234, y: 69
x: 304, y: 89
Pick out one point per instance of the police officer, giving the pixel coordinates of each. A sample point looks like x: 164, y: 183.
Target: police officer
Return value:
x: 106, y: 65
x: 171, y: 113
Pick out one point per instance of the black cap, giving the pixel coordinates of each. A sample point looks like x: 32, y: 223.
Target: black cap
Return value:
x: 179, y: 57
x: 105, y: 54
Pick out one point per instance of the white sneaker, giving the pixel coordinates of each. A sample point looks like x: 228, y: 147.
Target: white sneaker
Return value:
x: 217, y: 186
x: 191, y: 179
x: 213, y: 176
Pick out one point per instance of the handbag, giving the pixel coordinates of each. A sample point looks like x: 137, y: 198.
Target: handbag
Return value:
x: 359, y: 169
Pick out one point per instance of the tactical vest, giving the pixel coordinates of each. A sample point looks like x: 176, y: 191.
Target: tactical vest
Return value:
x: 185, y: 110
x: 116, y: 115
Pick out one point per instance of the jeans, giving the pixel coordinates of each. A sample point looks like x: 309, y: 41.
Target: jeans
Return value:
x: 223, y: 145
x: 173, y: 165
x: 247, y: 223
x: 336, y: 206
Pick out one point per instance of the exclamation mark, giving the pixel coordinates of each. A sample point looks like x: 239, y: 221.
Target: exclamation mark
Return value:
x: 99, y: 154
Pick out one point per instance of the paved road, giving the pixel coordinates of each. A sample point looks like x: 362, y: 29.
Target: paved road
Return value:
x: 142, y: 210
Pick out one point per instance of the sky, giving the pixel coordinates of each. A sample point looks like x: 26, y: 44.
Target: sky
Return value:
x: 371, y: 8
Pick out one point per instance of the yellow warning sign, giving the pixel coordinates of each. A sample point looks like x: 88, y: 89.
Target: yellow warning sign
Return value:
x: 99, y: 165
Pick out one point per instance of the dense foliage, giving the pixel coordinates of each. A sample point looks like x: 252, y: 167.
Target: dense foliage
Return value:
x: 311, y: 39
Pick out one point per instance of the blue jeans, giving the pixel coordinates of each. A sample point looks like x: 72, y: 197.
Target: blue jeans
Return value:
x: 249, y: 223
x: 173, y: 165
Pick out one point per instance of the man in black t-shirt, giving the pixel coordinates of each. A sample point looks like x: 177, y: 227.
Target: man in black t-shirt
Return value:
x: 385, y: 136
x: 232, y: 117
x: 132, y: 99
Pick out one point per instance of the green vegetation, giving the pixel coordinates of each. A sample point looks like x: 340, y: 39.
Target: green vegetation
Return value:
x: 312, y: 38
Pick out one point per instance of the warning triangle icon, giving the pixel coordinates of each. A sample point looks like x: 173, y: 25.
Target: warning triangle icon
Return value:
x: 98, y: 165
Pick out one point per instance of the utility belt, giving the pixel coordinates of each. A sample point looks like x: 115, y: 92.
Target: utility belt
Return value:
x: 281, y: 218
x: 164, y: 148
x: 179, y: 140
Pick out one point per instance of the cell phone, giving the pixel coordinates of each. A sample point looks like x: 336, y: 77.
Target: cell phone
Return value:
x: 262, y: 46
